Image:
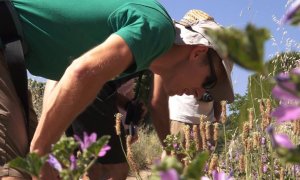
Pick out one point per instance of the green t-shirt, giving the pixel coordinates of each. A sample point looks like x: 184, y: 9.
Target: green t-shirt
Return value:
x: 58, y: 31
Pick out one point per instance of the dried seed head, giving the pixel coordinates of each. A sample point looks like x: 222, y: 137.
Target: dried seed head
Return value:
x: 223, y: 112
x: 249, y: 144
x: 203, y: 135
x: 213, y: 163
x: 196, y: 136
x: 256, y: 140
x: 250, y: 117
x: 187, y: 135
x: 242, y: 165
x: 246, y: 130
x: 133, y: 166
x: 118, y: 123
x: 207, y: 128
x: 202, y: 118
x: 281, y: 176
x: 296, y: 127
x: 216, y: 132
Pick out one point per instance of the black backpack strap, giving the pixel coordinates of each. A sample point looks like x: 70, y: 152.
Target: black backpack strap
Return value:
x: 11, y: 40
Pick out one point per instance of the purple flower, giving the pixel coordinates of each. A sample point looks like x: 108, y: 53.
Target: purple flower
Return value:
x: 54, y: 162
x: 263, y: 141
x: 265, y: 168
x: 292, y: 10
x: 279, y: 140
x: 286, y: 91
x: 282, y: 94
x: 286, y: 113
x: 104, y: 150
x: 170, y: 174
x: 73, y: 162
x: 87, y: 140
x: 218, y: 176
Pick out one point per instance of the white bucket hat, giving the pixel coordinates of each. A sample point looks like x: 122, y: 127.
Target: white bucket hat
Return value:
x: 191, y: 30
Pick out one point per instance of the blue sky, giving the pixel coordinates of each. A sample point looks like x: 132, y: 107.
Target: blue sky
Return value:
x: 237, y: 13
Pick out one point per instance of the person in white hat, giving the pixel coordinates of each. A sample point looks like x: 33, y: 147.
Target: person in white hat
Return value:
x: 170, y: 114
x: 84, y: 45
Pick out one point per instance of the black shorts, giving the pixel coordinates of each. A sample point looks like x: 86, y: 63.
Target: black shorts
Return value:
x: 99, y: 117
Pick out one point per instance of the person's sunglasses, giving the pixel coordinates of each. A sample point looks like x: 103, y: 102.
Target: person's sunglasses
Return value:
x: 211, y: 81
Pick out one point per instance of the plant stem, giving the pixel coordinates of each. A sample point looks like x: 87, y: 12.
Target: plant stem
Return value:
x: 225, y: 148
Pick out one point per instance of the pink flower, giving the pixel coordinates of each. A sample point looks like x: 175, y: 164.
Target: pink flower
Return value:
x: 87, y: 140
x: 279, y: 140
x: 286, y: 113
x: 104, y: 150
x: 218, y: 176
x: 170, y: 174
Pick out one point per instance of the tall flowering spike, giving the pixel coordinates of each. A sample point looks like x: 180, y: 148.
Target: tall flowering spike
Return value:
x: 170, y: 174
x: 213, y: 163
x: 249, y: 144
x: 256, y: 140
x: 54, y: 162
x: 104, y: 150
x: 202, y: 118
x: 242, y: 164
x: 118, y: 123
x: 208, y: 132
x: 223, y: 112
x: 250, y: 117
x: 216, y: 132
x: 246, y: 131
x: 203, y: 135
x: 130, y: 158
x: 196, y: 136
x: 87, y: 140
x: 296, y: 127
x: 187, y: 135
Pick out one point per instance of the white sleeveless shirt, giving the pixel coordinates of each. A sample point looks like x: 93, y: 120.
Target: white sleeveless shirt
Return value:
x: 187, y: 109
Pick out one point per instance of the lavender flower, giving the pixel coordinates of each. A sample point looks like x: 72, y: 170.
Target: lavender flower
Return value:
x: 170, y: 174
x: 286, y: 91
x: 54, y: 162
x: 104, y: 150
x: 265, y: 168
x: 87, y: 140
x: 292, y: 10
x: 286, y: 113
x: 218, y: 176
x: 73, y: 162
x: 279, y: 140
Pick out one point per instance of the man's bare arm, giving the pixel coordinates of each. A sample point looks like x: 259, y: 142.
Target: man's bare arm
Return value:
x: 77, y: 88
x: 159, y: 109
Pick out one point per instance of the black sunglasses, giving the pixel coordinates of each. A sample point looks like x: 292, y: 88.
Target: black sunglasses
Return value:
x: 211, y: 81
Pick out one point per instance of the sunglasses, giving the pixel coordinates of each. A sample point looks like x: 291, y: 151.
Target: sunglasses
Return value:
x: 210, y: 81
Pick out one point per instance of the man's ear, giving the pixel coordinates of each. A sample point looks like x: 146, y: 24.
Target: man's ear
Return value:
x: 198, y: 52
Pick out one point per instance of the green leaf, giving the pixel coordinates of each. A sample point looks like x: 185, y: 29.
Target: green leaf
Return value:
x: 31, y: 164
x: 289, y: 155
x: 246, y: 48
x: 195, y: 168
x: 295, y: 20
x: 63, y: 149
